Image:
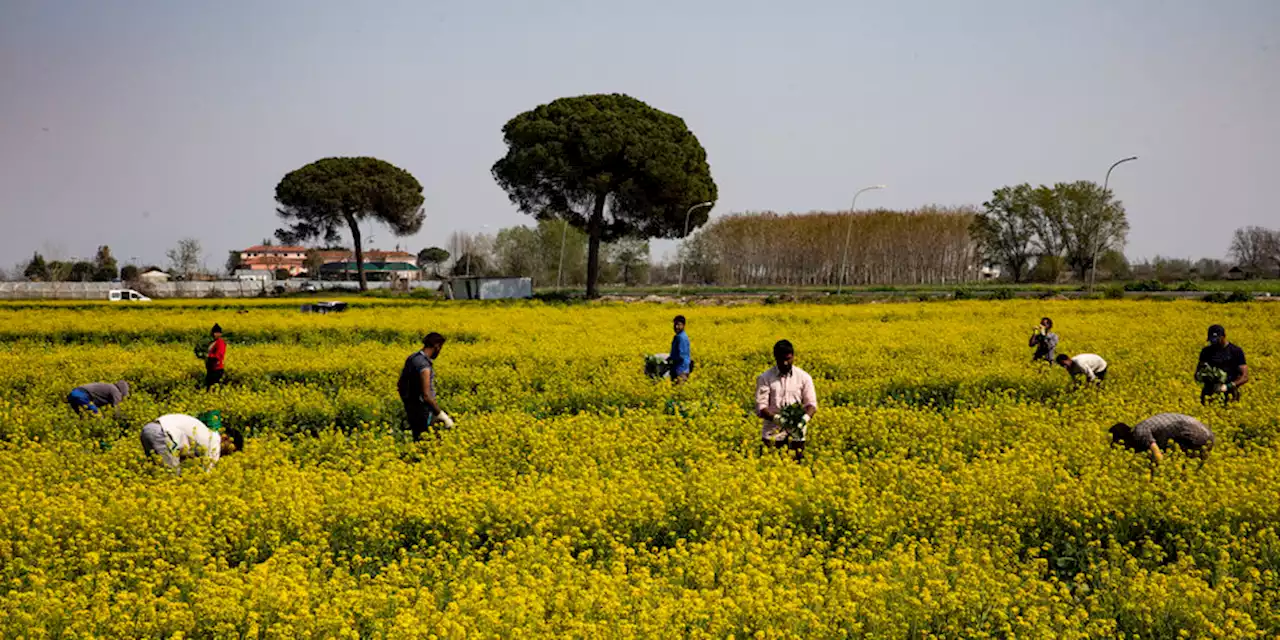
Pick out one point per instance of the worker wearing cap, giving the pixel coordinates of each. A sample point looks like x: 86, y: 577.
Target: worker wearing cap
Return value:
x: 215, y: 359
x: 1155, y: 433
x: 1222, y: 367
x: 175, y: 437
x: 88, y: 397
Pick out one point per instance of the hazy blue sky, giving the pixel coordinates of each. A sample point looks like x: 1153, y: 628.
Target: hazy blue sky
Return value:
x: 135, y: 123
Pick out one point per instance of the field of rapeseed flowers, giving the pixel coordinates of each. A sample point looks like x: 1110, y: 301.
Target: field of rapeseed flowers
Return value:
x: 951, y: 488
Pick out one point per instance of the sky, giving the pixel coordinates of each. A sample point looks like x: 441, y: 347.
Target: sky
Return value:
x: 135, y: 123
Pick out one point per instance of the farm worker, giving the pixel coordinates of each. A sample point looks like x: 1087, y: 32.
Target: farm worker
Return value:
x: 417, y: 387
x: 1089, y: 365
x: 781, y: 386
x: 215, y: 360
x: 1044, y: 340
x: 88, y: 397
x: 175, y: 437
x: 679, y: 361
x: 1155, y: 433
x: 1222, y: 368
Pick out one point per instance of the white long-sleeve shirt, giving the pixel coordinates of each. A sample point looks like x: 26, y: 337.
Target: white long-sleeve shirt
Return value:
x: 1088, y: 364
x: 186, y: 433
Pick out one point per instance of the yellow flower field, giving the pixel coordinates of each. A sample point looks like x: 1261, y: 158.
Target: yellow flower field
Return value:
x: 952, y: 488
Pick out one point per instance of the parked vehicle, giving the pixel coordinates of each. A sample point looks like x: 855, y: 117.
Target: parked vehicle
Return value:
x: 126, y: 295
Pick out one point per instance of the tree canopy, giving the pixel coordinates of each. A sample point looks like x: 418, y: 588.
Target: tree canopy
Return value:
x: 434, y: 256
x: 608, y: 164
x: 1071, y: 221
x: 316, y: 200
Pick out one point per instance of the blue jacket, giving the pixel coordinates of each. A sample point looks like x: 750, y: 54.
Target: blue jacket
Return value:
x: 680, y: 357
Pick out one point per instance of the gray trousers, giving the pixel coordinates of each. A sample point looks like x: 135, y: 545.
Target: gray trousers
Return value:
x: 154, y: 440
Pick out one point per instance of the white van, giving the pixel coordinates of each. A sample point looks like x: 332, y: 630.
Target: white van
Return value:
x: 126, y: 295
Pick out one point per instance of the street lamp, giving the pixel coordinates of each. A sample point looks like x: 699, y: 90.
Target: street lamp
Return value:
x: 1102, y: 202
x: 848, y: 234
x: 685, y: 238
x: 564, y: 234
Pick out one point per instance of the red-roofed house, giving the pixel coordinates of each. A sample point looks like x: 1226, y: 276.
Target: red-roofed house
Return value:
x: 372, y: 255
x: 272, y: 258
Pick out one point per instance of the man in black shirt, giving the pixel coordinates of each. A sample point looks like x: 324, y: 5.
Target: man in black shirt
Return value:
x: 1223, y: 357
x: 417, y: 387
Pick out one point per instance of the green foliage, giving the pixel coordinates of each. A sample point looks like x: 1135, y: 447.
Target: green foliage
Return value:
x: 1048, y: 269
x: 104, y: 265
x: 471, y: 264
x: 1114, y: 292
x: 129, y: 273
x: 1223, y: 298
x: 1073, y: 220
x: 1002, y: 294
x: 81, y: 271
x: 37, y: 270
x: 319, y: 198
x: 1145, y: 285
x: 1005, y: 231
x: 629, y: 259
x: 434, y: 256
x: 610, y: 165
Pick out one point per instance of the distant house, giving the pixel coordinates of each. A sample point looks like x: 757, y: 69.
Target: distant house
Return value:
x: 990, y: 273
x: 372, y: 255
x: 272, y: 258
x: 1236, y: 273
x: 153, y: 276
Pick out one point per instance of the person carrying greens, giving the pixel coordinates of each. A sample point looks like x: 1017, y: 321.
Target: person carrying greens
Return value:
x: 1222, y: 369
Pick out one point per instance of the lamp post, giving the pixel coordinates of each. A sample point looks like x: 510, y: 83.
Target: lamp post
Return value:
x: 1102, y: 203
x: 848, y: 234
x: 685, y: 238
x: 564, y: 234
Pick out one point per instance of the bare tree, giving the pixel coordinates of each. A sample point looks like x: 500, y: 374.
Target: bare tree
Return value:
x: 1256, y: 249
x: 185, y: 258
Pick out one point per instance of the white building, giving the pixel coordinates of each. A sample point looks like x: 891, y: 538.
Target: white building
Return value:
x: 153, y: 276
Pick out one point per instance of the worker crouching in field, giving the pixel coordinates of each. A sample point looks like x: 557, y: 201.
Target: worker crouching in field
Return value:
x: 1044, y: 340
x: 781, y: 390
x: 176, y: 437
x: 215, y: 359
x: 1222, y: 369
x: 1089, y: 365
x: 1155, y: 433
x: 417, y: 388
x: 88, y: 397
x: 680, y: 359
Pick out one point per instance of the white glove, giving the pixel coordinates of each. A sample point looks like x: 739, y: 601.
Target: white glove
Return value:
x: 444, y: 417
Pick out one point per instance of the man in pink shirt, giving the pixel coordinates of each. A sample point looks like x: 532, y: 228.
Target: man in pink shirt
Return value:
x: 782, y: 386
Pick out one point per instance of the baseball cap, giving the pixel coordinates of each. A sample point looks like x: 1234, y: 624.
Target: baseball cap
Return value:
x: 1216, y: 331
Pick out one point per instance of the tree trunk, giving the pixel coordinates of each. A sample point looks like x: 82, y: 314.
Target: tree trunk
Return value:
x: 355, y: 240
x: 594, y: 230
